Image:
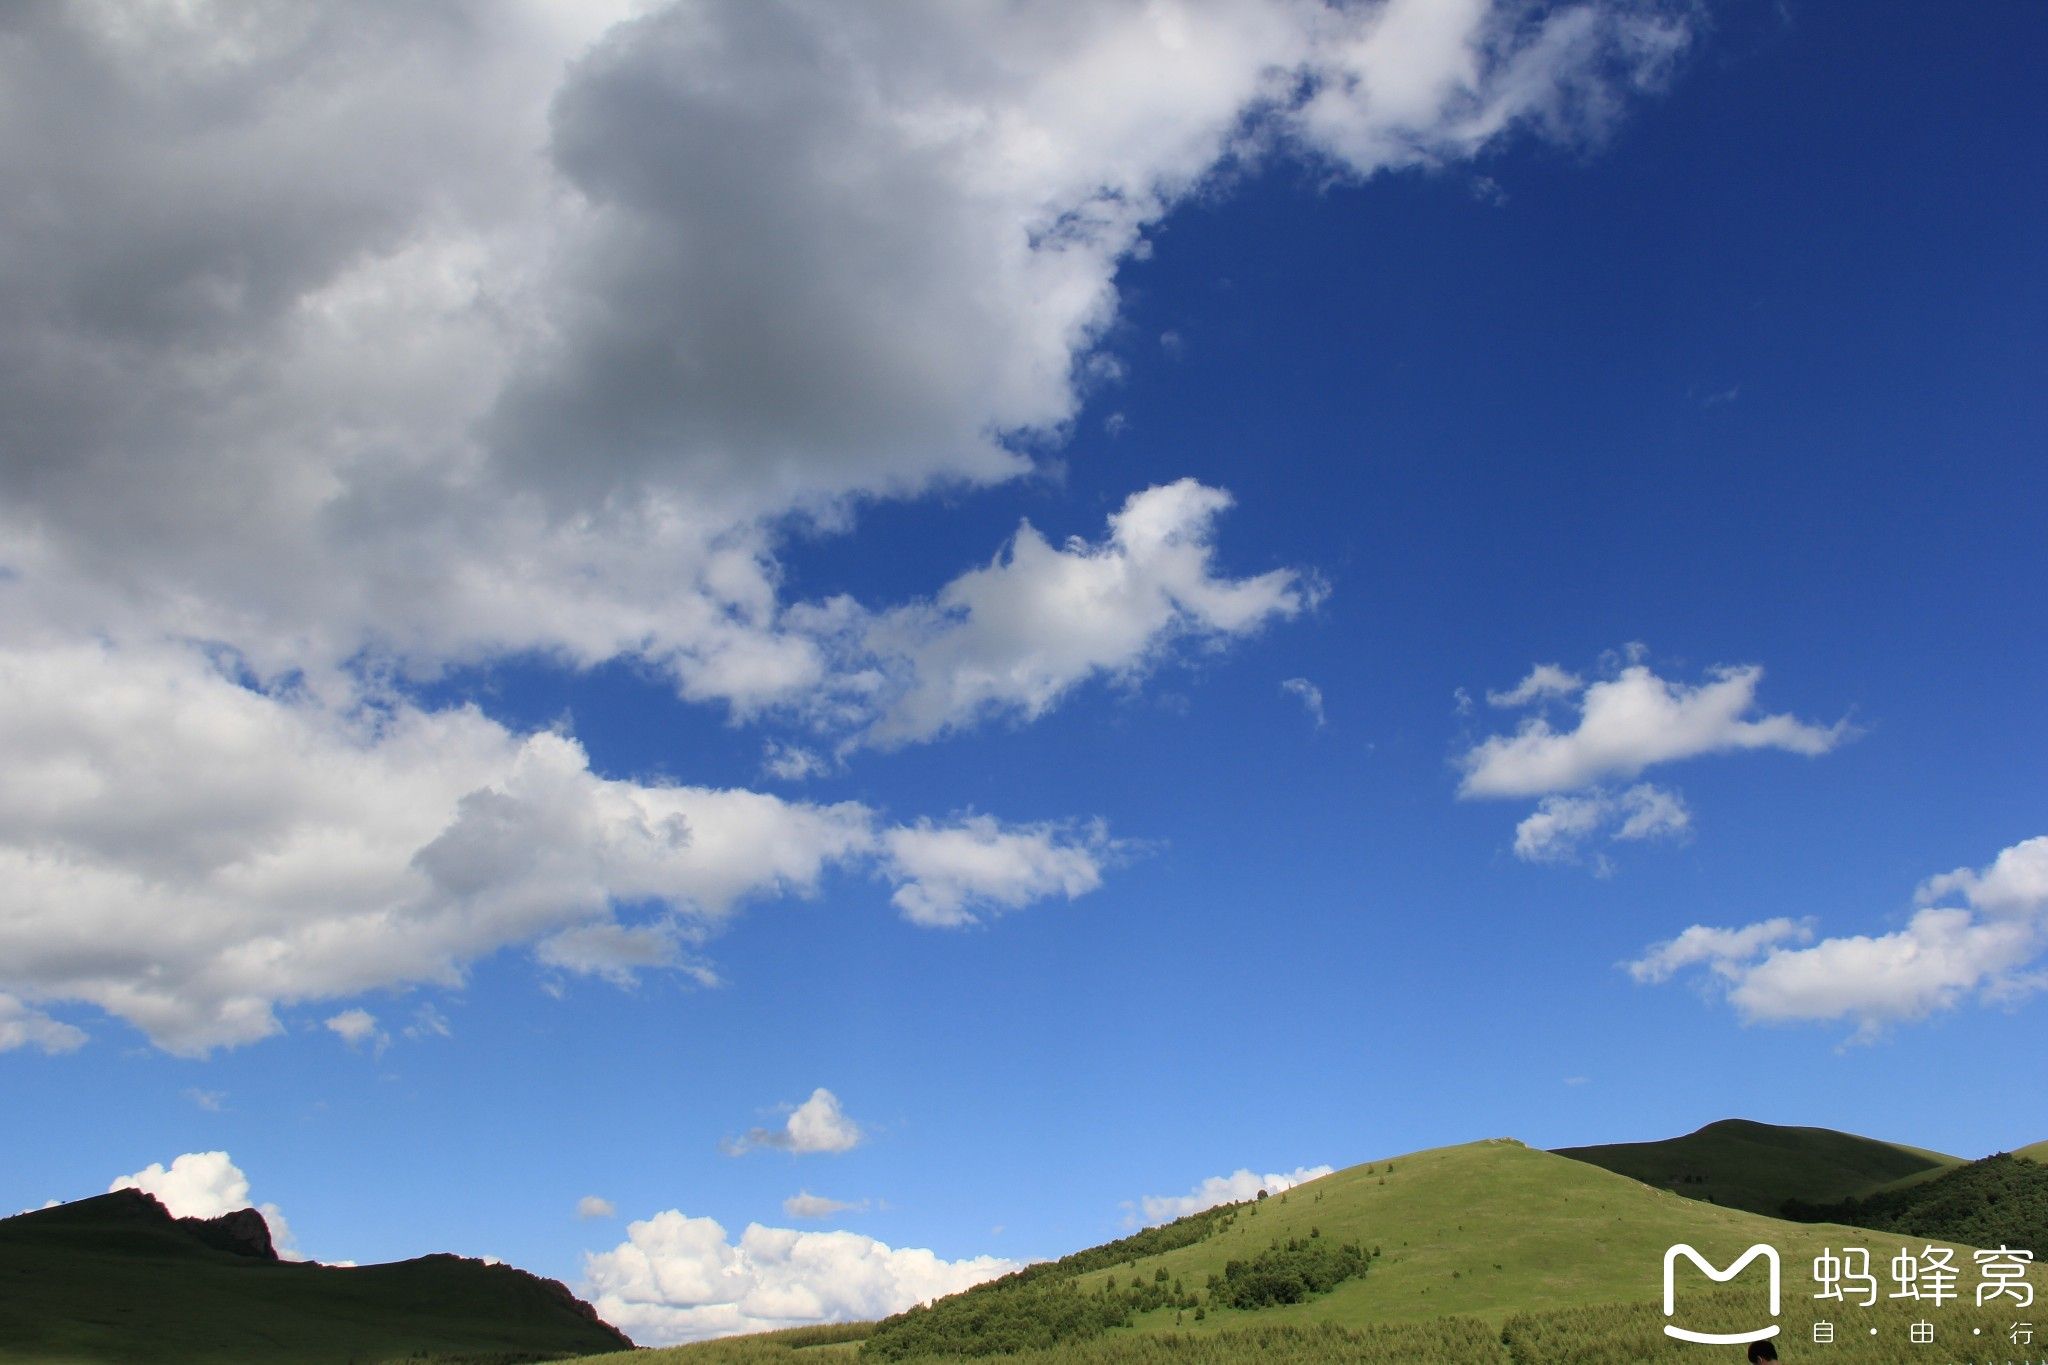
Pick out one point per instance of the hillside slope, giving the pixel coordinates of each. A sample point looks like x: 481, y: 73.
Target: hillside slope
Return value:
x: 1486, y: 1229
x: 1487, y: 1251
x: 117, y: 1278
x: 1758, y: 1166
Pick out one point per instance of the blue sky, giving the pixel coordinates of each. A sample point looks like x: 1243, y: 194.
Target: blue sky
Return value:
x: 522, y: 664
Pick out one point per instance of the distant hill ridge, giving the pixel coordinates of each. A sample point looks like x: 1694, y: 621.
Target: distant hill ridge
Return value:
x: 116, y: 1278
x: 1739, y: 1163
x: 240, y: 1233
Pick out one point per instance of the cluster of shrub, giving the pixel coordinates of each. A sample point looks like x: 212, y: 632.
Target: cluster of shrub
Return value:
x: 1999, y: 1201
x: 1288, y: 1273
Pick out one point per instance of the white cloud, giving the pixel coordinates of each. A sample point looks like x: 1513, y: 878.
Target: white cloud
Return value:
x: 677, y: 1279
x: 1425, y: 82
x: 1722, y: 950
x: 593, y: 1206
x: 1014, y: 637
x: 538, y: 323
x: 535, y: 337
x: 1544, y: 682
x: 1561, y: 825
x: 954, y: 875
x: 356, y: 1027
x: 212, y: 1101
x: 1630, y: 722
x: 792, y: 762
x: 804, y: 1204
x: 816, y: 1125
x: 1236, y: 1187
x: 1311, y: 697
x: 22, y: 1026
x: 1988, y: 949
x: 207, y: 1185
x: 188, y: 853
x: 2015, y: 883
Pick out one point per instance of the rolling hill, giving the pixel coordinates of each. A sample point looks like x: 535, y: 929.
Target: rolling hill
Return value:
x: 1759, y: 1166
x: 116, y: 1278
x: 1490, y: 1251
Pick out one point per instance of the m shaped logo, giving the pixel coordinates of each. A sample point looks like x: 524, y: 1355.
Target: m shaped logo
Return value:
x: 1671, y: 1255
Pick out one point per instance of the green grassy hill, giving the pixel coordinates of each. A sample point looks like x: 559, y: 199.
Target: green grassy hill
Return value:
x: 116, y: 1278
x: 2034, y: 1151
x: 1490, y: 1251
x: 1758, y: 1166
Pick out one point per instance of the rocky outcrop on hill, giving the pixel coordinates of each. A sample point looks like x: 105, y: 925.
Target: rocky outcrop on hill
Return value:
x: 243, y: 1232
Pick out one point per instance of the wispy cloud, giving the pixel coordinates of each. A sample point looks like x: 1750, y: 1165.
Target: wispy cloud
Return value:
x: 1310, y: 696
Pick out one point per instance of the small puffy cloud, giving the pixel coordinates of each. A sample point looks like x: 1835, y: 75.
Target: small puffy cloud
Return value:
x: 212, y: 1101
x: 804, y: 1204
x: 23, y: 1026
x: 1627, y: 721
x: 357, y: 1027
x: 1544, y: 682
x: 957, y: 874
x: 1630, y: 722
x: 195, y: 1185
x: 1561, y: 825
x: 1989, y: 948
x: 1310, y: 696
x: 816, y: 1125
x: 207, y: 1185
x: 792, y: 762
x: 593, y: 1206
x: 1236, y: 1187
x: 1012, y: 638
x: 677, y: 1279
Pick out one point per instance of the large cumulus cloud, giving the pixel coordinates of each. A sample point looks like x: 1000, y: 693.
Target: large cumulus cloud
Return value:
x: 339, y: 347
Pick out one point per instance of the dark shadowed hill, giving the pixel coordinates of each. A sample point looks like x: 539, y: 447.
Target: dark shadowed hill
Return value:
x: 1758, y: 1166
x: 116, y: 1278
x: 1999, y: 1201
